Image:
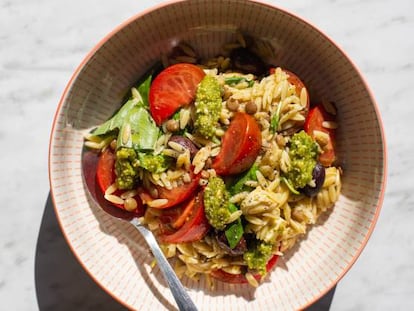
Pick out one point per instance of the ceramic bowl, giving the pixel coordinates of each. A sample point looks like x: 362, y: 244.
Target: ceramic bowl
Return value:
x: 115, y: 255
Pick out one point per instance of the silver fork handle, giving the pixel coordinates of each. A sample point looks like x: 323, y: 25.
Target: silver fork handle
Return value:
x: 181, y: 296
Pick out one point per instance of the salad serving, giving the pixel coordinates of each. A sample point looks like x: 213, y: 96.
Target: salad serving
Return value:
x: 227, y: 165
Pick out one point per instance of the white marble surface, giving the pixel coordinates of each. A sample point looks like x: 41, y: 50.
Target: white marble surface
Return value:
x: 43, y: 41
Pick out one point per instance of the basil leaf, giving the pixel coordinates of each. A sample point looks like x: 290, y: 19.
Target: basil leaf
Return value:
x: 143, y: 90
x: 136, y: 127
x: 234, y: 231
x: 274, y: 122
x: 138, y: 130
x: 289, y: 185
x: 240, y: 186
x: 117, y: 120
x: 236, y: 80
x: 176, y: 115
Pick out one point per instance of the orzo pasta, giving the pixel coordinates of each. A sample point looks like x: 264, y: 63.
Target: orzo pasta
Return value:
x: 228, y: 168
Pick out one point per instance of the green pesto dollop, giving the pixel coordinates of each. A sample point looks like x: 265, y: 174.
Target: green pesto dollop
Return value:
x: 208, y: 106
x: 303, y: 152
x: 258, y: 256
x: 216, y: 202
x: 126, y: 168
x: 154, y: 163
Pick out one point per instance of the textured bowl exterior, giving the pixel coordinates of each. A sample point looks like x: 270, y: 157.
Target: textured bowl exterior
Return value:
x: 114, y: 254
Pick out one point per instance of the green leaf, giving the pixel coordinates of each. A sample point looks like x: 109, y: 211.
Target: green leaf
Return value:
x: 117, y: 120
x: 138, y: 130
x: 236, y: 80
x: 143, y: 90
x: 289, y: 185
x: 176, y: 115
x: 234, y: 231
x: 274, y: 122
x: 240, y: 186
x: 136, y: 127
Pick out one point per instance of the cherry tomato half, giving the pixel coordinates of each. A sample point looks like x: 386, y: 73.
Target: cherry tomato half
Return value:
x: 240, y: 145
x: 314, y: 121
x: 173, y: 88
x: 299, y: 85
x: 240, y: 278
x: 105, y: 171
x: 176, y: 195
x: 194, y: 229
x: 176, y: 216
x: 105, y: 176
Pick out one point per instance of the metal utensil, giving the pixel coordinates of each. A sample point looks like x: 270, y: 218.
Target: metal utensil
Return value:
x: 89, y: 164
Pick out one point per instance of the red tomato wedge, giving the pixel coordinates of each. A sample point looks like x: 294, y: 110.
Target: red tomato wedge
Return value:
x: 176, y: 216
x: 194, y: 229
x: 299, y: 85
x: 105, y: 175
x: 172, y: 89
x: 186, y: 212
x: 228, y: 277
x: 176, y: 195
x: 105, y: 171
x: 240, y: 278
x: 313, y: 122
x: 240, y: 145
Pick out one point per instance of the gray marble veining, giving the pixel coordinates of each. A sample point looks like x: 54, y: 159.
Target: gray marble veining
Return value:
x: 41, y: 44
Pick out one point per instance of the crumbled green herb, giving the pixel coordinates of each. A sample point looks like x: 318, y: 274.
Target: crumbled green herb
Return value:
x: 154, y: 163
x: 216, y: 203
x: 208, y: 107
x: 126, y: 166
x: 302, y: 152
x: 258, y: 256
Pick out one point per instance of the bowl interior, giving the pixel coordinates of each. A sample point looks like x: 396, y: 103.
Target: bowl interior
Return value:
x: 115, y: 255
